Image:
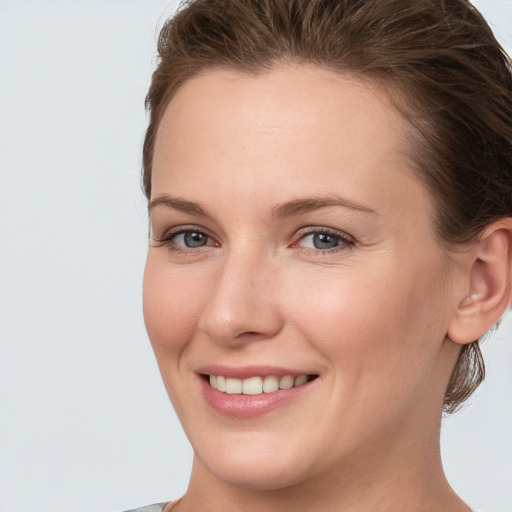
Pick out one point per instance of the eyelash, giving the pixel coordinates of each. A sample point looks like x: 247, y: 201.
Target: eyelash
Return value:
x: 345, y: 241
x: 168, y: 240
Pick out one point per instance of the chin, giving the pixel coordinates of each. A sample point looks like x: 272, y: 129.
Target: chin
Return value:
x: 257, y: 468
x: 265, y: 478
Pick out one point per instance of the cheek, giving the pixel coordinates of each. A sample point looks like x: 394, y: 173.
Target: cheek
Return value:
x: 375, y: 325
x: 172, y: 305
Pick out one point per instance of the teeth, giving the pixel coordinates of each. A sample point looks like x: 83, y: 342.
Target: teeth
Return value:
x: 300, y: 380
x: 255, y: 385
x: 286, y: 382
x: 233, y: 386
x: 252, y: 386
x: 270, y: 384
x: 221, y: 383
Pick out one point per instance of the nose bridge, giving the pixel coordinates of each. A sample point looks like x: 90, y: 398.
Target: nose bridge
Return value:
x: 241, y: 299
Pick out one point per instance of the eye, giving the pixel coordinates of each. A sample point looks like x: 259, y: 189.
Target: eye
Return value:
x: 324, y: 240
x: 321, y: 241
x: 190, y: 239
x: 185, y: 239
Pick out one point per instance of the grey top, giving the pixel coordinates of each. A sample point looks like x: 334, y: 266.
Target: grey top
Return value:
x: 157, y: 507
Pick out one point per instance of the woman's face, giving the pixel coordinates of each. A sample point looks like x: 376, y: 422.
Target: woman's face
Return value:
x: 291, y: 243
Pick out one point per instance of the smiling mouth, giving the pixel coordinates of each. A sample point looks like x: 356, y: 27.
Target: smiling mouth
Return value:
x: 257, y: 385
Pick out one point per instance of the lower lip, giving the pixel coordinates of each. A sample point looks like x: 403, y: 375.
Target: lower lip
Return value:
x: 250, y: 406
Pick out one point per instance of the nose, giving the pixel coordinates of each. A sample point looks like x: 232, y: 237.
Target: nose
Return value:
x: 242, y: 304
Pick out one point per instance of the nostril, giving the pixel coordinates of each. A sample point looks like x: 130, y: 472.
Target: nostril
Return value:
x: 249, y: 334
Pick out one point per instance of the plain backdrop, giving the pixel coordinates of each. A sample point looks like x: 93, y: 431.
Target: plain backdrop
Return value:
x: 85, y: 423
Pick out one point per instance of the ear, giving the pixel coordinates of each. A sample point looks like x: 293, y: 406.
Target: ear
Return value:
x: 490, y: 284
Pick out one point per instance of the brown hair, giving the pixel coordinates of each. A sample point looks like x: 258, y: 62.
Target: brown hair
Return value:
x: 437, y: 60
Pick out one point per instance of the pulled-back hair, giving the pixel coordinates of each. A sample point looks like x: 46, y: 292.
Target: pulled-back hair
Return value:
x: 438, y: 62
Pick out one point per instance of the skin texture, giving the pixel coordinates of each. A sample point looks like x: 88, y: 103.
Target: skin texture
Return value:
x: 370, y: 316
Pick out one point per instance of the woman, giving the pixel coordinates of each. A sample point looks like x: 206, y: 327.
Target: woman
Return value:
x: 330, y: 197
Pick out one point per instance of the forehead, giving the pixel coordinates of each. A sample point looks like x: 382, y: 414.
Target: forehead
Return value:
x: 298, y: 98
x: 280, y: 131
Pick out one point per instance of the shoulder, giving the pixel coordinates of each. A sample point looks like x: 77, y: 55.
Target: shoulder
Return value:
x: 157, y: 507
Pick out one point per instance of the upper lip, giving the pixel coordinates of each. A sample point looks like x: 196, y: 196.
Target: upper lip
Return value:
x: 244, y: 372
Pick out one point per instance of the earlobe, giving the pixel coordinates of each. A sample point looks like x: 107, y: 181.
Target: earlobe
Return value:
x: 489, y: 285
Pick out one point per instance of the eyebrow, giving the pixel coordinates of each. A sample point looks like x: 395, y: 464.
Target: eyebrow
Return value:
x: 306, y: 205
x: 288, y: 209
x: 176, y: 203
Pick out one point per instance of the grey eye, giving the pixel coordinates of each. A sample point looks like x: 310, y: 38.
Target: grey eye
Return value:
x: 325, y: 241
x: 192, y: 239
x: 322, y: 240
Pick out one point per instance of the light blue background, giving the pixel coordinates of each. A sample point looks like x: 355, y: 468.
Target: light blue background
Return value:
x: 85, y: 424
